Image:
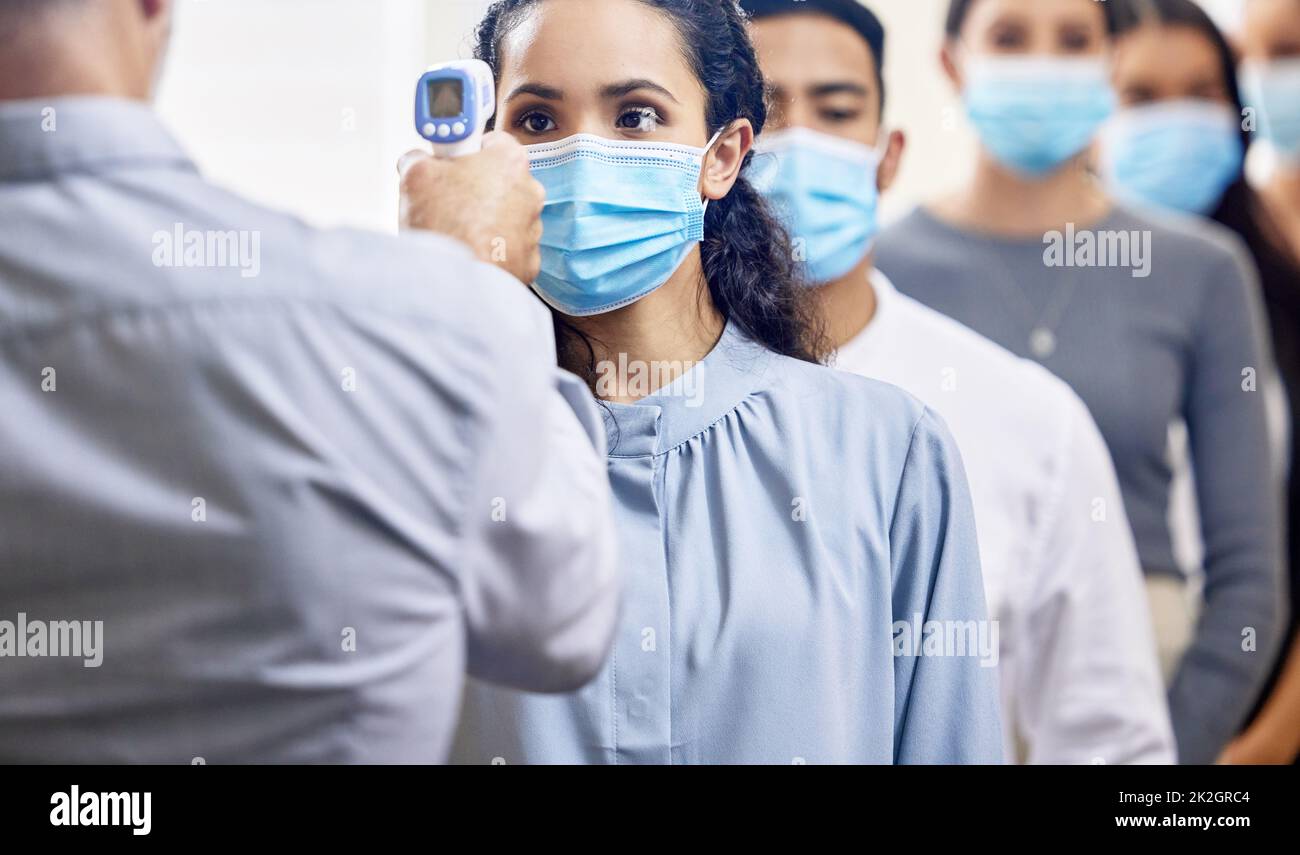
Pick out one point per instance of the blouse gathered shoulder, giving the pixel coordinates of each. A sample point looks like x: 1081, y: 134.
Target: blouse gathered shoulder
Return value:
x: 802, y: 585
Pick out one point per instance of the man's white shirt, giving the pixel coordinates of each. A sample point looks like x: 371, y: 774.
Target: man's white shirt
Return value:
x: 1080, y: 682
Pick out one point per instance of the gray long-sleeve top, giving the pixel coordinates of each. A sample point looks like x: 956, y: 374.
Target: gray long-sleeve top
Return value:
x: 266, y: 491
x: 1187, y: 340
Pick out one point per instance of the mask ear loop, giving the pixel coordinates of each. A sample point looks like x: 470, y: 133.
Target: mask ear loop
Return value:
x: 883, y: 137
x: 708, y: 148
x: 881, y: 149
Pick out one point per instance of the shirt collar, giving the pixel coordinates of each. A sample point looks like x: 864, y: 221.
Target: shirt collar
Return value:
x: 47, y: 137
x: 688, y: 406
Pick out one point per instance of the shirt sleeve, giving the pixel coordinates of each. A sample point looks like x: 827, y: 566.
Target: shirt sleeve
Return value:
x: 1086, y: 682
x: 539, y: 587
x: 945, y: 700
x: 1240, y: 511
x: 473, y: 433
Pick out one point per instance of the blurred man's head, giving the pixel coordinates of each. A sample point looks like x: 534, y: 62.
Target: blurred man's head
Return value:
x: 823, y: 60
x: 82, y: 47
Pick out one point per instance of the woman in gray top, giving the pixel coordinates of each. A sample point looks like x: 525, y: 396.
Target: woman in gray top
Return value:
x: 1152, y: 322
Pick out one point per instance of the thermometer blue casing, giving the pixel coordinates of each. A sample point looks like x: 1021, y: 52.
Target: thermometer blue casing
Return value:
x: 453, y: 104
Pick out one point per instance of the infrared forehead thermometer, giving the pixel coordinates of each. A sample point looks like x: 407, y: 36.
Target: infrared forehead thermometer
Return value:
x: 453, y: 103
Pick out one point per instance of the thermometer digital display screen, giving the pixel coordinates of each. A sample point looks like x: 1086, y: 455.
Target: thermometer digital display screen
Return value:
x: 454, y: 102
x: 446, y: 98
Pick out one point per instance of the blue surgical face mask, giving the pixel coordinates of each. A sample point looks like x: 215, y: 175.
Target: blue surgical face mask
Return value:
x: 1035, y: 113
x: 620, y: 218
x: 825, y: 187
x: 1273, y: 89
x: 1181, y: 155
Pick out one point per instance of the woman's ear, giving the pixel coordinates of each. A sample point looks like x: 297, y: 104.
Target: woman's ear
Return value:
x: 722, y: 163
x: 951, y: 67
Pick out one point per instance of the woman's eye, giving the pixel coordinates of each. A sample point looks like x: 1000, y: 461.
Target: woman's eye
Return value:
x: 1209, y: 91
x: 1076, y: 42
x: 536, y: 123
x: 1008, y: 38
x: 642, y: 120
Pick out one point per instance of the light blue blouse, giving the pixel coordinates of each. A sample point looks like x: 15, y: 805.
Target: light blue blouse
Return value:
x: 776, y: 519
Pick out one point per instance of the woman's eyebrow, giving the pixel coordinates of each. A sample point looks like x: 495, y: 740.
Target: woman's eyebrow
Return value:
x: 627, y: 87
x: 539, y: 90
x: 1075, y: 27
x: 1009, y: 20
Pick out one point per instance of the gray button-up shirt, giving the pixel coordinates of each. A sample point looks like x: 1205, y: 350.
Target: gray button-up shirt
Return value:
x: 266, y: 492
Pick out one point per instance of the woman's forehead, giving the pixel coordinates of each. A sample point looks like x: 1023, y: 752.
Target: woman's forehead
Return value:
x: 583, y: 46
x: 985, y: 13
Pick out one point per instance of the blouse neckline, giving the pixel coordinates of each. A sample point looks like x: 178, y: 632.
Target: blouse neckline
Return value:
x: 703, y: 395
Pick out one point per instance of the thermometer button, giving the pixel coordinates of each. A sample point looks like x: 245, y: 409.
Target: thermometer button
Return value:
x: 429, y: 129
x: 444, y: 130
x: 458, y: 129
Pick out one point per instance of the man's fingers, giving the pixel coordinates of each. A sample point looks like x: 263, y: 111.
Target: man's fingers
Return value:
x: 497, y: 139
x: 509, y: 200
x: 534, y: 266
x: 501, y: 147
x: 539, y: 197
x: 410, y: 159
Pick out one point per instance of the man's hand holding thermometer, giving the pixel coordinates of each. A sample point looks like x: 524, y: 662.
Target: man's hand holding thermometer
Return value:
x: 476, y: 187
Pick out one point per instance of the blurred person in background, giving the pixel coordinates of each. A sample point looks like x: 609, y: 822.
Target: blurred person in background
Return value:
x: 1080, y: 681
x: 786, y: 526
x: 1269, y: 44
x: 288, y: 492
x: 1163, y: 326
x: 1179, y: 142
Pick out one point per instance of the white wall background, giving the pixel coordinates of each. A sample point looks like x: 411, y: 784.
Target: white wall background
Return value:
x: 306, y: 104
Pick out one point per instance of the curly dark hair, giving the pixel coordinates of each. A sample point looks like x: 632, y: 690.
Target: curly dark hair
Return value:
x: 752, y: 276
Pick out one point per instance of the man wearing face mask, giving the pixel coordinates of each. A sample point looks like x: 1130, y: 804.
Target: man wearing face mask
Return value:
x: 268, y: 511
x: 1078, y: 671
